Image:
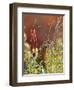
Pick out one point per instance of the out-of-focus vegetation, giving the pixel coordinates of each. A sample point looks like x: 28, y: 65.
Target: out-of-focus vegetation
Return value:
x: 48, y: 58
x: 50, y: 62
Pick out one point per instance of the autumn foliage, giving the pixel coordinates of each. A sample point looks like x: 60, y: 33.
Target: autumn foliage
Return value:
x: 43, y: 47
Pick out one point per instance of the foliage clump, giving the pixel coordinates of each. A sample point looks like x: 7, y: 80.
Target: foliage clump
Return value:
x: 48, y: 61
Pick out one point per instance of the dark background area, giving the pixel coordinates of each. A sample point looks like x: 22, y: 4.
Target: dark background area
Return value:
x: 44, y: 26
